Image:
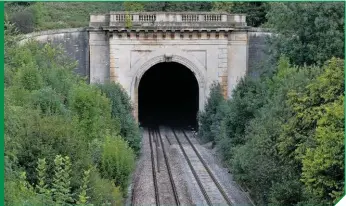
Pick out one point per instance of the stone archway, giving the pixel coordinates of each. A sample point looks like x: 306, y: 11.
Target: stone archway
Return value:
x: 162, y: 55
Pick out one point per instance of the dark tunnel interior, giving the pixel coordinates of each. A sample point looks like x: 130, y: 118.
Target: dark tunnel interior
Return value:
x: 168, y: 95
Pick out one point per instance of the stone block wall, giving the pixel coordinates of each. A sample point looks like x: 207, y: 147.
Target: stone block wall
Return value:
x: 76, y: 43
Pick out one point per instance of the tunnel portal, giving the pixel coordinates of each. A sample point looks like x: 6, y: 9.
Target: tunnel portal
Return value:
x: 168, y: 95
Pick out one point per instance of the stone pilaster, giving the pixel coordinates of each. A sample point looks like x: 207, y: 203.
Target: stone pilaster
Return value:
x: 113, y: 75
x: 99, y: 56
x: 237, y: 58
x: 135, y: 105
x: 222, y: 70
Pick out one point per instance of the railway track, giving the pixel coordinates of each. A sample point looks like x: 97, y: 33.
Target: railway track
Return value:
x: 163, y: 189
x: 168, y: 167
x: 157, y: 199
x: 244, y: 191
x: 208, y: 184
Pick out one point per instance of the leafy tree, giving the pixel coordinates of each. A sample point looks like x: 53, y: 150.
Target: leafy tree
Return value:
x: 308, y: 32
x: 103, y: 191
x: 255, y: 11
x: 133, y: 6
x: 41, y: 169
x: 29, y: 78
x: 61, y: 180
x: 49, y: 111
x: 24, y: 21
x: 168, y: 6
x: 256, y: 161
x: 83, y: 198
x: 316, y: 141
x: 190, y: 6
x: 207, y: 117
x: 24, y: 3
x: 122, y: 110
x: 117, y: 161
x: 48, y: 101
x: 272, y: 132
x: 11, y: 36
x: 246, y: 99
x: 19, y: 192
x: 93, y: 111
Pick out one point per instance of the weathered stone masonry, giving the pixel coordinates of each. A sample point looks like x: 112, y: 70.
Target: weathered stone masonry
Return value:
x: 214, y: 46
x: 74, y: 41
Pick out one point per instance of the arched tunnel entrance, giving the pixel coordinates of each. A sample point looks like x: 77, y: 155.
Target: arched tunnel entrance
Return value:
x: 168, y: 95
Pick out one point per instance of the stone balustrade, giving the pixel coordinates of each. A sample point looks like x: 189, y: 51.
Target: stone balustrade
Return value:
x: 171, y: 20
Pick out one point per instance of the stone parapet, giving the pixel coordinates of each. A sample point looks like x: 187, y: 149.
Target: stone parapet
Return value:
x: 167, y: 21
x: 50, y: 33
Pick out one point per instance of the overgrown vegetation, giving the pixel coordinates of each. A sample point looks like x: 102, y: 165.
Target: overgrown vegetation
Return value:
x: 66, y: 142
x: 283, y: 137
x: 38, y: 16
x: 281, y: 134
x: 308, y: 32
x: 255, y: 11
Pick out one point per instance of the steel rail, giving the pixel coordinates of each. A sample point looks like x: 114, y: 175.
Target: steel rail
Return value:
x: 133, y: 192
x: 222, y: 191
x: 168, y: 140
x: 174, y: 189
x: 246, y: 194
x: 207, y: 198
x: 157, y: 199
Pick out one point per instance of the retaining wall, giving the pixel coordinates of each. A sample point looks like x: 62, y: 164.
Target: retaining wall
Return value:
x: 74, y: 41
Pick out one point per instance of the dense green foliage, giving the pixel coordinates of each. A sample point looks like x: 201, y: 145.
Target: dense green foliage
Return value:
x: 281, y: 133
x: 178, y: 6
x: 52, y: 121
x: 39, y: 16
x: 117, y: 160
x: 209, y: 116
x: 319, y: 122
x: 255, y: 11
x: 54, y: 15
x: 308, y: 32
x: 121, y: 107
x: 282, y: 136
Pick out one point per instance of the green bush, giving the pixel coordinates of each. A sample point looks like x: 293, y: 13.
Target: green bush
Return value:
x: 19, y: 192
x: 263, y: 165
x: 103, y: 191
x: 209, y: 116
x: 273, y: 130
x: 51, y: 111
x: 24, y: 20
x: 317, y: 139
x: 118, y: 161
x: 122, y: 110
x: 56, y: 193
x: 93, y: 111
x: 48, y: 101
x: 29, y: 78
x: 312, y: 38
x: 246, y: 99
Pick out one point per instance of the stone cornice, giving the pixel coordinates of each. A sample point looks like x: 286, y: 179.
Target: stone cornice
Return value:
x: 170, y: 29
x: 166, y: 29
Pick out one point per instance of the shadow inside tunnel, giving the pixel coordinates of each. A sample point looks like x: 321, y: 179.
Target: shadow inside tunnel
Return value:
x: 168, y: 95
